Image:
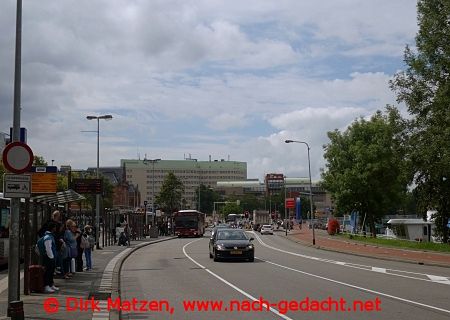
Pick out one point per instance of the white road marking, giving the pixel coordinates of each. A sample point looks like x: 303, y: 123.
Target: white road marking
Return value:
x: 392, y: 272
x: 228, y: 283
x: 359, y: 288
x: 4, y: 282
x: 439, y: 279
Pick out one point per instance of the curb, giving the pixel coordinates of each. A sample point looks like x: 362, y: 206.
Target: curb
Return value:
x: 434, y: 264
x: 115, y: 290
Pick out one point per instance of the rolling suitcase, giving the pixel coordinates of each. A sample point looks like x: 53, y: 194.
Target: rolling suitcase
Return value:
x: 36, y: 278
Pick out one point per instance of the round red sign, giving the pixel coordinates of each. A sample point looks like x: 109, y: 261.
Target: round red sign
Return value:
x: 17, y: 157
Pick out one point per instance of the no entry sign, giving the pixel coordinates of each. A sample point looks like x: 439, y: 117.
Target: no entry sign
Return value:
x: 17, y: 157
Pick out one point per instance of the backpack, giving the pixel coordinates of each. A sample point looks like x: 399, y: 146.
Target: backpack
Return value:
x: 39, y: 248
x: 91, y: 240
x: 84, y: 244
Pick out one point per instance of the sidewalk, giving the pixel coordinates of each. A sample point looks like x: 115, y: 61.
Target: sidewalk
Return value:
x: 333, y: 243
x: 75, y: 291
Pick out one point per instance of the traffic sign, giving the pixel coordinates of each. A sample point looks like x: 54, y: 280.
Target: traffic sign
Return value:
x: 16, y: 185
x: 17, y: 157
x: 290, y: 203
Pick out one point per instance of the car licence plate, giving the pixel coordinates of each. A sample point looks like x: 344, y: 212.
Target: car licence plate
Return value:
x: 236, y: 252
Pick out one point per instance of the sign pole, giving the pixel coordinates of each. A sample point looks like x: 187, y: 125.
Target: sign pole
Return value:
x: 13, y: 260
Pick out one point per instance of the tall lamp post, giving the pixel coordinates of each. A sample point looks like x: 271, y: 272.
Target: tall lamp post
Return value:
x: 310, y: 186
x: 199, y: 191
x: 153, y: 161
x: 97, y: 202
x: 285, y: 208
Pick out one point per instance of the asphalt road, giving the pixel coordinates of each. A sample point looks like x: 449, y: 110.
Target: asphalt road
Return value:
x: 178, y: 273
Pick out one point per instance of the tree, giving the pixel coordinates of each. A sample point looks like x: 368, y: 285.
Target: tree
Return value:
x: 364, y: 168
x: 425, y: 89
x: 39, y: 161
x: 171, y: 193
x: 207, y: 198
x: 61, y: 182
x: 231, y: 208
x: 250, y: 202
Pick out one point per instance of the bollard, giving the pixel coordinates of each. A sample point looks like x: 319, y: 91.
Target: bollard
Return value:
x: 15, y: 310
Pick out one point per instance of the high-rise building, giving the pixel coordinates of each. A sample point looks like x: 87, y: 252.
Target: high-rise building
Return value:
x: 148, y: 176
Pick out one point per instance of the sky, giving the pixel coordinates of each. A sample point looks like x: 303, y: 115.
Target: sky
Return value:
x: 227, y: 79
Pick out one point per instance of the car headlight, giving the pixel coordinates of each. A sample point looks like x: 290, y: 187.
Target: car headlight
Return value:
x: 220, y: 247
x: 250, y: 246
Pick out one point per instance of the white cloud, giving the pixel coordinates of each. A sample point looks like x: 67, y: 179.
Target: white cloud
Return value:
x: 226, y: 121
x: 203, y: 77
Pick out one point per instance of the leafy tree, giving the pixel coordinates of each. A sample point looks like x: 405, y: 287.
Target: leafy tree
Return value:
x: 425, y: 89
x: 39, y: 161
x: 230, y: 208
x: 364, y: 168
x: 207, y: 198
x: 250, y: 202
x: 61, y: 182
x: 171, y: 193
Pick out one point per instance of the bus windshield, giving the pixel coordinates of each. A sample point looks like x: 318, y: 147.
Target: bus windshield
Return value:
x: 185, y: 222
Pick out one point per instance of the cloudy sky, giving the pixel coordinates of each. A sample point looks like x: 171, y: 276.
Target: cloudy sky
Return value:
x: 230, y: 79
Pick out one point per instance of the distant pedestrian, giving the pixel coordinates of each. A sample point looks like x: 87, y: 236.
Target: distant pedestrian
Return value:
x: 70, y: 239
x: 89, y: 244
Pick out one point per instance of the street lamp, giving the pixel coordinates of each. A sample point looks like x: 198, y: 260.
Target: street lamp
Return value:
x: 153, y: 161
x: 97, y: 202
x: 285, y: 208
x: 310, y: 186
x: 199, y: 191
x: 146, y: 216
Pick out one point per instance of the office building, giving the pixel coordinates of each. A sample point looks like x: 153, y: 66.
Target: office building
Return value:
x: 148, y: 176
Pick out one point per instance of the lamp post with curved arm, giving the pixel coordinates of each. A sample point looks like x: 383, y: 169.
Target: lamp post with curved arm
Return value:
x: 310, y: 186
x: 97, y: 202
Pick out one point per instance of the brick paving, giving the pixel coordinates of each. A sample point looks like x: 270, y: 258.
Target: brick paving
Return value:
x: 336, y: 243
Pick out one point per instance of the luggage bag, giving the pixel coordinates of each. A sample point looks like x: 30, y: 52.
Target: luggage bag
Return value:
x: 36, y: 278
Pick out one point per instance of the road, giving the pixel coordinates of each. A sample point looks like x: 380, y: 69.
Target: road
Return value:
x: 178, y: 273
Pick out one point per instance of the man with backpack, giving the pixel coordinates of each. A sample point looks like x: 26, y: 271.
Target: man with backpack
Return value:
x: 47, y: 249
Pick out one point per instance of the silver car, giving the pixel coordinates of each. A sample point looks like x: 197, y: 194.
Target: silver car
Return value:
x: 267, y: 229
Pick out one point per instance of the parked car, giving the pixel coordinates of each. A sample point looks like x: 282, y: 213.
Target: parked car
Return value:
x: 267, y: 229
x: 231, y: 244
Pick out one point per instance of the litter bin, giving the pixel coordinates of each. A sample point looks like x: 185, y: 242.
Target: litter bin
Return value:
x: 154, y: 232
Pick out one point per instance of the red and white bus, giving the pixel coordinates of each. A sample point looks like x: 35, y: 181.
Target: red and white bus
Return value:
x: 189, y: 223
